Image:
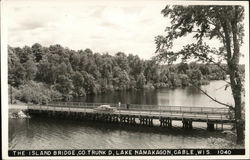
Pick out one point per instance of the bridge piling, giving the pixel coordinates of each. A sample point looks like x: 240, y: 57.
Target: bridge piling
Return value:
x: 210, y: 126
x: 165, y: 122
x: 187, y: 124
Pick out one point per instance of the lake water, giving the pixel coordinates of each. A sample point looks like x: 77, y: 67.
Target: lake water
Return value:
x: 188, y: 96
x: 41, y: 133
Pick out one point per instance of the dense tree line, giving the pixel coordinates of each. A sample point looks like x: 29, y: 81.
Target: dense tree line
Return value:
x: 41, y: 74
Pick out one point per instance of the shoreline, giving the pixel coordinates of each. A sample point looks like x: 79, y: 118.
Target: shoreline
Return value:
x: 17, y: 111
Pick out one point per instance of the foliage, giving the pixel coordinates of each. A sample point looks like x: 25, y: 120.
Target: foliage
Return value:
x: 37, y: 93
x: 72, y: 73
x: 224, y: 23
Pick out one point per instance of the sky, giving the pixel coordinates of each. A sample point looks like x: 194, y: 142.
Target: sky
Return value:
x: 103, y: 26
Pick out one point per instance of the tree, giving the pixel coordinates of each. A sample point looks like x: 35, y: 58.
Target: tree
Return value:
x: 141, y: 80
x: 123, y: 80
x: 16, y: 71
x: 224, y: 23
x: 122, y: 61
x: 195, y: 75
x: 24, y: 53
x: 64, y: 86
x: 151, y: 71
x: 31, y: 69
x: 89, y: 83
x: 78, y: 82
x: 136, y: 65
x: 38, y: 52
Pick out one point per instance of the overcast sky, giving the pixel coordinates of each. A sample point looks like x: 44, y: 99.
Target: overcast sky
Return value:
x: 102, y: 26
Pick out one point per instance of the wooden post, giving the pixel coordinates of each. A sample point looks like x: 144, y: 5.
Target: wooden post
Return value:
x: 210, y: 126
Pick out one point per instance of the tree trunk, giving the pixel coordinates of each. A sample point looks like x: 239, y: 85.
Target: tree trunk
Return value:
x: 235, y: 79
x: 236, y: 89
x: 237, y: 84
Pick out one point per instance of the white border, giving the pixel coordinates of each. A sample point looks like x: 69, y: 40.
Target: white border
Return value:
x: 4, y: 86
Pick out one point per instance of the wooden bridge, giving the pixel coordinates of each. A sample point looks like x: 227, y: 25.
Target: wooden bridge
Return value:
x: 136, y: 114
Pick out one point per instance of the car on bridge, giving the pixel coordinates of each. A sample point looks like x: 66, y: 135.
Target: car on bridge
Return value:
x: 104, y: 109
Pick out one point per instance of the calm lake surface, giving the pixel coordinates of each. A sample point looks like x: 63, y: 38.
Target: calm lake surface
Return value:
x: 41, y: 133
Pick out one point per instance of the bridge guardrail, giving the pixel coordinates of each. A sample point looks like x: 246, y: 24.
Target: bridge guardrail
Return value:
x: 194, y: 115
x: 147, y: 108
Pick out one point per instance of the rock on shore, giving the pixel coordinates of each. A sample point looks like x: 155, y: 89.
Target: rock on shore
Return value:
x: 19, y: 114
x: 18, y: 111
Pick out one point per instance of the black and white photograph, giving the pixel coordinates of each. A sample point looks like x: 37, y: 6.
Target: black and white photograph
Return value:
x: 116, y: 79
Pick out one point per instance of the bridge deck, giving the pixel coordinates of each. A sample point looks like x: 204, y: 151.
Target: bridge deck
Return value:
x: 197, y: 114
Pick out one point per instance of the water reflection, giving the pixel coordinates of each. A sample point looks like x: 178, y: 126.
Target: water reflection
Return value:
x: 63, y: 134
x: 188, y: 96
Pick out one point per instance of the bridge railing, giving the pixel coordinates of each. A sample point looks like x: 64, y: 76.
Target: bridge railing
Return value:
x: 207, y: 116
x: 147, y: 108
x: 164, y: 111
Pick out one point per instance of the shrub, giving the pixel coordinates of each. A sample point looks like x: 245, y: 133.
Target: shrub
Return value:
x: 37, y: 93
